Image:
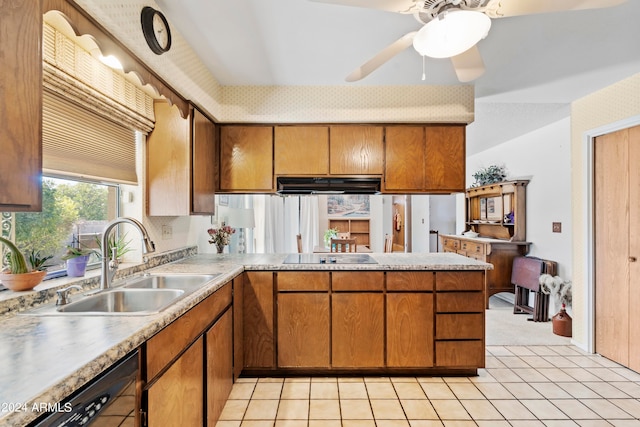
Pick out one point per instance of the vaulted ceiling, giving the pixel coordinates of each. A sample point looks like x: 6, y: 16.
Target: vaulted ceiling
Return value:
x: 536, y: 65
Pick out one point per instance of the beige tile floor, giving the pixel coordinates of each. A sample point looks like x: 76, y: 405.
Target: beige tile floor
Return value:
x: 521, y: 386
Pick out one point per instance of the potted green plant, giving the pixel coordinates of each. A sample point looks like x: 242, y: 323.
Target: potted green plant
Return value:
x: 76, y: 260
x: 17, y: 276
x: 489, y: 175
x: 329, y: 234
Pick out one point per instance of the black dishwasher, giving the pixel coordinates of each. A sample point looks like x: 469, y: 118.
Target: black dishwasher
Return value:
x: 109, y: 400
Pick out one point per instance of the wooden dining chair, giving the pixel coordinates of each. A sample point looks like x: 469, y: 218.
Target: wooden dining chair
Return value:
x: 344, y: 245
x: 299, y: 241
x: 388, y: 243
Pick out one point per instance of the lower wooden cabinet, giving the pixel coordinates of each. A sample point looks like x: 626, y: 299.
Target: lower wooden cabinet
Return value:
x: 176, y: 397
x: 219, y: 359
x: 459, y: 319
x: 188, y: 371
x: 303, y: 330
x: 357, y: 330
x: 238, y: 326
x: 409, y: 329
x: 258, y: 318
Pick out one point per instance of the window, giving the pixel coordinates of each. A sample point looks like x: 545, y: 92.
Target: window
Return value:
x: 73, y: 213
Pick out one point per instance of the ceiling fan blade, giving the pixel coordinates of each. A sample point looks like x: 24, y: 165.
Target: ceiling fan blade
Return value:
x: 506, y: 8
x: 383, y: 56
x: 399, y: 6
x: 468, y: 65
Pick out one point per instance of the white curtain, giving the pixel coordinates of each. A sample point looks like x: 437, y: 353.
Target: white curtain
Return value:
x: 279, y: 219
x: 309, y: 222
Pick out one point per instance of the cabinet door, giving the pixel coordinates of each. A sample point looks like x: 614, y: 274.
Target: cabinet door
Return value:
x: 204, y: 172
x: 356, y: 150
x: 301, y: 150
x: 357, y: 330
x: 219, y: 366
x: 445, y: 158
x: 21, y: 106
x: 404, y: 158
x: 177, y: 397
x: 246, y: 158
x: 259, y: 346
x: 238, y: 326
x: 168, y: 163
x: 409, y: 329
x: 303, y: 330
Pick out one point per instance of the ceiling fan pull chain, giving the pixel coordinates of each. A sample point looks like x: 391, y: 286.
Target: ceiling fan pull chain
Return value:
x: 424, y: 76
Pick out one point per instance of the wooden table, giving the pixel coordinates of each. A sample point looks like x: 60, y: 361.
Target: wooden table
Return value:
x: 359, y: 248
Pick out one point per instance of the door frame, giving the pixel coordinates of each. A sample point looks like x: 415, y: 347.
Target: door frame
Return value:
x: 588, y: 140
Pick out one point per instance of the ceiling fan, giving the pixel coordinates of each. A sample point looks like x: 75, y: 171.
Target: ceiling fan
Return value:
x: 452, y: 28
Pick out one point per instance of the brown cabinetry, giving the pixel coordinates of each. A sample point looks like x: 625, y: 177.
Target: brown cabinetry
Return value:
x: 459, y: 327
x: 357, y: 319
x: 177, y: 397
x: 246, y: 158
x: 175, y: 377
x: 424, y: 159
x: 238, y: 326
x: 301, y: 150
x: 409, y: 312
x: 303, y: 319
x: 219, y: 362
x: 258, y: 319
x: 21, y: 106
x: 356, y: 150
x: 357, y: 329
x: 180, y: 163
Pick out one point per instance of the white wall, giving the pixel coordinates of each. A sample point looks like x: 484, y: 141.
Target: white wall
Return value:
x: 544, y: 157
x: 420, y: 223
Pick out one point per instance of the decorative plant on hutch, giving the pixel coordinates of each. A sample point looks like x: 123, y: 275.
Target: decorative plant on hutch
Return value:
x: 17, y: 276
x: 220, y: 236
x: 489, y: 175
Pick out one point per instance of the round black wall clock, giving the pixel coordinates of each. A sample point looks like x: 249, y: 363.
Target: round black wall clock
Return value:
x: 156, y: 30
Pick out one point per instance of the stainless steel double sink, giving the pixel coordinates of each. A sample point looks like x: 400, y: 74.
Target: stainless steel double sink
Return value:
x: 144, y: 295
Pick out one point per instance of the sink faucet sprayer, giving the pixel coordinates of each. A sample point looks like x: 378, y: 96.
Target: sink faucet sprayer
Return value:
x: 109, y: 267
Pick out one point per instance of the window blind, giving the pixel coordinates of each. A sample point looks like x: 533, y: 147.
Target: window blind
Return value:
x: 78, y: 142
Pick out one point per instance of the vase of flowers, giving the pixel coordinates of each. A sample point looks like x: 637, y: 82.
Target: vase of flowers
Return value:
x: 220, y: 236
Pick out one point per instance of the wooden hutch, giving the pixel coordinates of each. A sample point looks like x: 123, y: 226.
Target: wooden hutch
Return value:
x: 497, y: 212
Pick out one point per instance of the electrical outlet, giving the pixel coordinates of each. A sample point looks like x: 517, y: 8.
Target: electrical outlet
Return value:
x: 167, y: 232
x: 557, y: 227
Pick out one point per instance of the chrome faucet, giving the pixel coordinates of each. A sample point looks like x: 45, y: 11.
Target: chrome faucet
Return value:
x: 109, y: 267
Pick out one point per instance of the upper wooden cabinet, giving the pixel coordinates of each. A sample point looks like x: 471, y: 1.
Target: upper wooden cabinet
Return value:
x: 301, y: 150
x: 181, y: 163
x: 21, y: 106
x: 246, y: 159
x: 204, y: 159
x: 356, y: 150
x: 429, y: 159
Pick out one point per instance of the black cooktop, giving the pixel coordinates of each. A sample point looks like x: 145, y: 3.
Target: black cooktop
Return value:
x: 329, y: 258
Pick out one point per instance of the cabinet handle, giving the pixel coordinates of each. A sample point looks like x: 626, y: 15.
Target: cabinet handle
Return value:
x: 633, y: 259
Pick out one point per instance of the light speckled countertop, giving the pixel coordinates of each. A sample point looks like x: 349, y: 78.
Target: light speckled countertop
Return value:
x: 46, y: 358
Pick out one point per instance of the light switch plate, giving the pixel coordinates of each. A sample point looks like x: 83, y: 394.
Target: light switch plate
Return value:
x: 557, y: 227
x: 167, y: 232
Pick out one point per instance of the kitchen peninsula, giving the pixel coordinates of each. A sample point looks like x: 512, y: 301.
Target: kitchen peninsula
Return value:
x: 405, y: 314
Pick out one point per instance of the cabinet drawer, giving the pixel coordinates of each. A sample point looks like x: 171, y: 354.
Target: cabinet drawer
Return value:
x: 357, y: 280
x: 163, y: 347
x: 460, y: 353
x: 459, y: 326
x: 303, y: 281
x: 410, y: 281
x: 449, y: 243
x: 472, y: 248
x: 459, y: 281
x: 460, y: 302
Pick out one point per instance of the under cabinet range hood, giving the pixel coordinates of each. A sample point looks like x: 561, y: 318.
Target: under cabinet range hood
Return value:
x: 328, y: 185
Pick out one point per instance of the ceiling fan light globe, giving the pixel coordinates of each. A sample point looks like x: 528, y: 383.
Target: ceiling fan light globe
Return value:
x: 452, y: 33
